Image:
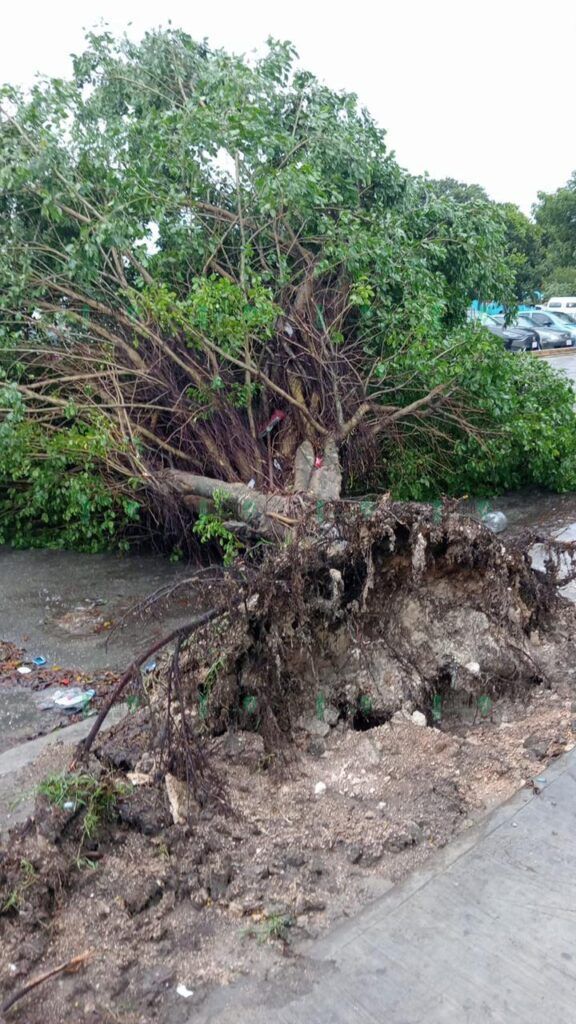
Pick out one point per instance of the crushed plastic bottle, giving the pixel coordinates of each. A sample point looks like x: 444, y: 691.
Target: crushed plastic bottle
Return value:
x: 495, y: 521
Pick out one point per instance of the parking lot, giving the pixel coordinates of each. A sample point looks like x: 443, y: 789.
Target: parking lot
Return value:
x: 565, y: 361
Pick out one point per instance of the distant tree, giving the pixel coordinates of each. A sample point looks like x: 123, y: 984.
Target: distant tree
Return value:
x: 556, y: 217
x: 562, y: 281
x: 524, y: 248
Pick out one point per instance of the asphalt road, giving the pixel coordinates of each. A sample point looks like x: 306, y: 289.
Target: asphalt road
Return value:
x: 565, y: 363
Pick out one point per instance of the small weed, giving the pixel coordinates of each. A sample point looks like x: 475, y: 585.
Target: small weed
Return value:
x: 274, y: 926
x: 96, y: 798
x: 27, y: 877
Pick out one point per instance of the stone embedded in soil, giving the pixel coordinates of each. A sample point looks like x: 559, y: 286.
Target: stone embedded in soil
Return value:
x: 295, y: 858
x: 417, y: 718
x: 220, y: 879
x: 373, y: 856
x: 316, y: 866
x: 141, y: 893
x: 144, y: 811
x: 315, y: 726
x: 331, y: 715
x: 316, y: 747
x: 536, y: 745
x: 320, y: 788
x: 307, y: 903
x: 354, y: 853
x: 409, y: 835
x: 153, y: 983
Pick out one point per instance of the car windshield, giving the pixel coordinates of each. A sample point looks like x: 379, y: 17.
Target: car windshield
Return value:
x: 566, y: 317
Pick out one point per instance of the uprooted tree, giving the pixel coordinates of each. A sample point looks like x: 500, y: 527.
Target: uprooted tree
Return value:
x: 214, y: 274
x: 220, y: 294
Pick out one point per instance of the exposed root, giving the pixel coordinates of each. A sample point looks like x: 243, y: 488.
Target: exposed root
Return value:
x: 368, y: 607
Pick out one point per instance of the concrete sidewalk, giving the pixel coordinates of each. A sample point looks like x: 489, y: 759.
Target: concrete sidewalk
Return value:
x: 487, y: 934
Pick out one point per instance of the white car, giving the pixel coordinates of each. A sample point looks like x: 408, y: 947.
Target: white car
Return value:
x: 561, y: 304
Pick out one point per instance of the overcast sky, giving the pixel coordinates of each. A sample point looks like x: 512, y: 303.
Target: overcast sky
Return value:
x: 479, y: 90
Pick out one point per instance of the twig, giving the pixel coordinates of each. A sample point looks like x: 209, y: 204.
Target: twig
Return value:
x: 177, y: 634
x: 71, y: 965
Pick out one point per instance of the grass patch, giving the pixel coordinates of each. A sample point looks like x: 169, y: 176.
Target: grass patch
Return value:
x: 94, y: 798
x: 27, y: 878
x: 273, y: 927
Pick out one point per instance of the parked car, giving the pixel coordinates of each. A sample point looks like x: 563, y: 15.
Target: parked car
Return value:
x: 516, y: 339
x: 549, y: 337
x: 566, y: 318
x: 544, y: 318
x: 565, y: 303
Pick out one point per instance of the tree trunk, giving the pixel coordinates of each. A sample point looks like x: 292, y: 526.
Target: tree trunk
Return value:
x: 270, y: 516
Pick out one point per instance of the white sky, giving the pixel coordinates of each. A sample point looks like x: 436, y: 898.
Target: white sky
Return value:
x: 478, y: 90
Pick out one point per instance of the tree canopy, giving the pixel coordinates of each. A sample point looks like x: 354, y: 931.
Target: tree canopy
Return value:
x: 206, y: 262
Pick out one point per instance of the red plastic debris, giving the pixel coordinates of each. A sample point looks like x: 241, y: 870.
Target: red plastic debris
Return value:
x: 276, y: 418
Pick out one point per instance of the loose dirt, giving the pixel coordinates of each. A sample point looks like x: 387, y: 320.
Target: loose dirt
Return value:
x: 234, y: 894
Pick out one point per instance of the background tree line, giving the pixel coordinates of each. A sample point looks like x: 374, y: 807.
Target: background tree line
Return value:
x: 541, y: 250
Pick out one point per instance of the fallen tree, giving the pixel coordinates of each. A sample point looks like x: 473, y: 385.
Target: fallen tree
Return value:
x: 211, y: 268
x: 368, y: 611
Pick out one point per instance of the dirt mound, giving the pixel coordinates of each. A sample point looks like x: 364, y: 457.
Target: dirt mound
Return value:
x: 410, y: 669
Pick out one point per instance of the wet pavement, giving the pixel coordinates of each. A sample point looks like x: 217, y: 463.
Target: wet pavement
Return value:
x: 62, y: 605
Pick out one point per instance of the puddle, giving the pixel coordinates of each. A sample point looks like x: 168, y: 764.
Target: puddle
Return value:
x: 60, y: 605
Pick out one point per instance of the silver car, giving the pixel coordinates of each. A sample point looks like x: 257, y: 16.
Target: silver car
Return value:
x: 543, y: 318
x: 549, y: 337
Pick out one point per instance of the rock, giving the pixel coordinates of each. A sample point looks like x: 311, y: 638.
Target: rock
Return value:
x: 306, y: 903
x: 417, y: 718
x: 573, y: 725
x: 369, y: 753
x: 303, y: 466
x: 276, y: 867
x: 409, y: 835
x: 320, y: 789
x: 141, y: 893
x: 536, y: 745
x: 401, y: 717
x: 219, y: 879
x: 495, y: 521
x: 316, y: 866
x: 331, y: 715
x: 370, y: 815
x: 316, y: 747
x: 316, y: 727
x: 179, y: 799
x: 371, y: 857
x: 200, y: 899
x: 143, y: 810
x: 473, y: 668
x: 295, y: 858
x: 152, y: 983
x: 139, y: 778
x: 354, y: 853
